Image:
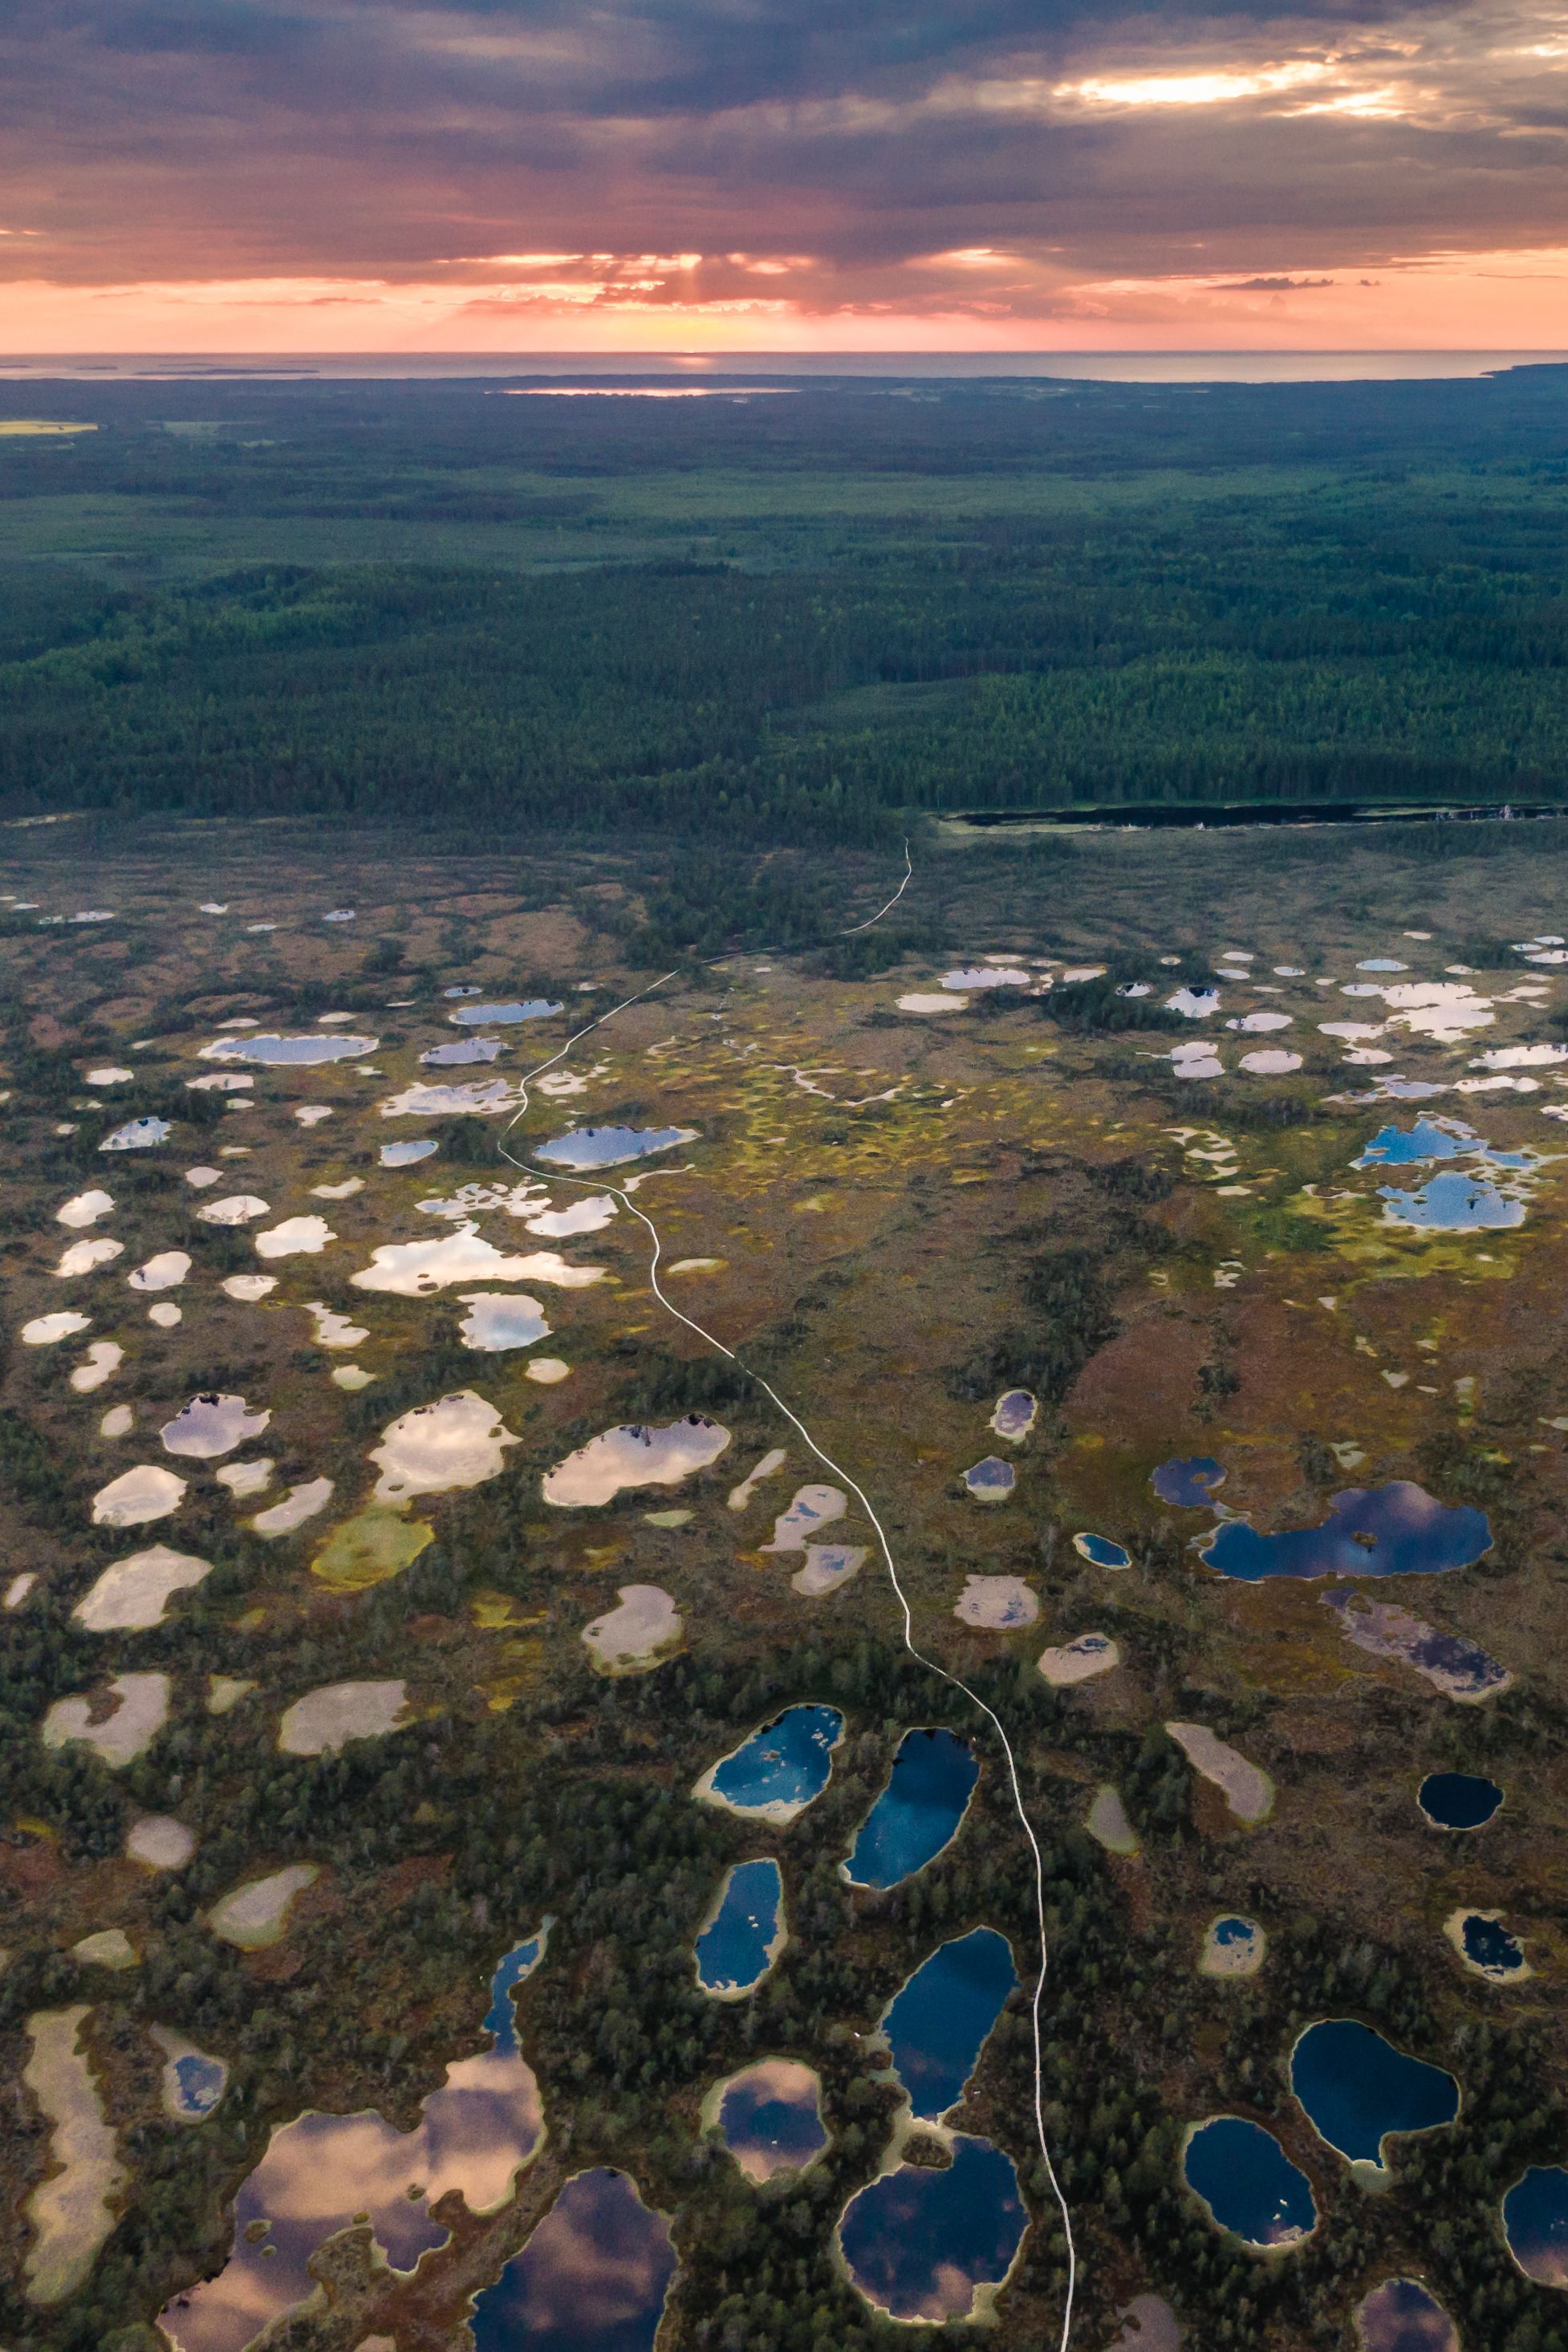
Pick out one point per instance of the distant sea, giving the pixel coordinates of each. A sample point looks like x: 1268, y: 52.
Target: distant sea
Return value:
x: 1123, y: 367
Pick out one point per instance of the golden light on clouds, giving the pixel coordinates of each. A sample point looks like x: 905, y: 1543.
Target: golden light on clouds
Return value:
x: 452, y: 177
x: 1218, y: 88
x: 1498, y: 300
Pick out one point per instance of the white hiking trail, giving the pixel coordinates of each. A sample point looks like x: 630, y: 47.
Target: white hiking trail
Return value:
x: 597, y: 1183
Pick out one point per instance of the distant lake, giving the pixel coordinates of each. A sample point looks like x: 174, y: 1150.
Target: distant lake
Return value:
x: 1165, y: 816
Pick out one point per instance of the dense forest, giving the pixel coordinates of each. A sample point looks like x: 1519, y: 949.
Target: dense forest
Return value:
x: 804, y: 616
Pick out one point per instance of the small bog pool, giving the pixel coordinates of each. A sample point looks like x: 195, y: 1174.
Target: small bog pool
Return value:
x: 1458, y: 1800
x: 1394, y: 1530
x: 770, y: 2117
x: 918, y: 1812
x: 610, y: 1146
x: 288, y: 1052
x: 1535, y: 2224
x: 777, y: 1772
x: 483, y: 1016
x: 937, y: 2026
x: 1233, y: 1946
x: 1434, y: 1138
x: 1248, y: 2183
x: 1486, y: 1946
x: 991, y: 1481
x: 1189, y: 1484
x: 1453, y: 1204
x: 1100, y: 1552
x: 1400, y: 2315
x: 593, y: 2277
x: 194, y: 2084
x: 1358, y: 2090
x: 921, y: 2243
x: 1016, y: 1415
x: 745, y: 1931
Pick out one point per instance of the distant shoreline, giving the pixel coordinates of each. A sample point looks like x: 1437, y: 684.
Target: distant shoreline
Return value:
x: 1124, y: 367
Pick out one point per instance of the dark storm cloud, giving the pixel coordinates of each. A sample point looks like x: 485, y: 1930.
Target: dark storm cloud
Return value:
x: 197, y: 30
x: 192, y: 137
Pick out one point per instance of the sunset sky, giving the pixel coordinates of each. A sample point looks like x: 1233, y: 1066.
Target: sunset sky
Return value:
x: 735, y: 175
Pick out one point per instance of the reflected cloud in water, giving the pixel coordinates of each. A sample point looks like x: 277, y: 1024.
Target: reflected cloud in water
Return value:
x: 321, y: 2171
x: 592, y: 2278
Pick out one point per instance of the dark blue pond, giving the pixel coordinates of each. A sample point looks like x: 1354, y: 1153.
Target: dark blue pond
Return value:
x: 1393, y: 1530
x: 771, y: 2118
x: 918, y: 1812
x: 1357, y: 2089
x: 1458, y: 1800
x: 781, y: 1767
x: 500, y: 2020
x: 1188, y: 1484
x: 1100, y: 1552
x: 937, y: 2025
x: 1248, y: 2183
x: 919, y: 2242
x: 608, y: 1147
x: 1535, y: 2223
x: 737, y: 1949
x: 592, y: 2278
x: 1488, y: 1946
x: 1401, y: 2316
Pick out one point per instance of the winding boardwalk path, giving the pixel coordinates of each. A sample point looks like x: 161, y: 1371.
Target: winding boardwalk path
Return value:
x: 598, y: 1183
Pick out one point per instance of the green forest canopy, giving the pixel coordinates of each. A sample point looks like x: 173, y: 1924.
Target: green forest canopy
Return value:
x: 792, y: 618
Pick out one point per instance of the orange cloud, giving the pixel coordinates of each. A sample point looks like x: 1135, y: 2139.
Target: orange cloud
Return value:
x: 1505, y: 299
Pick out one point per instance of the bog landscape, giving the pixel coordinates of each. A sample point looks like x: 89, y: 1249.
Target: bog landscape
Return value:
x: 783, y: 1456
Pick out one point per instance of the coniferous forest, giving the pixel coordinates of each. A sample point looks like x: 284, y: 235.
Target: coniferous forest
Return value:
x: 804, y: 615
